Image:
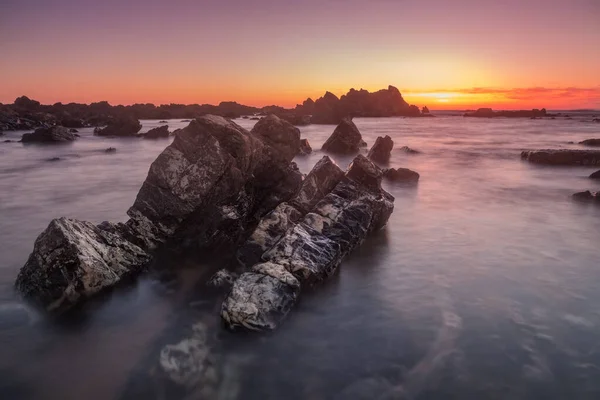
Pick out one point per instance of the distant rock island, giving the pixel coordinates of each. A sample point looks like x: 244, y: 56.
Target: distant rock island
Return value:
x: 489, y: 113
x: 27, y: 114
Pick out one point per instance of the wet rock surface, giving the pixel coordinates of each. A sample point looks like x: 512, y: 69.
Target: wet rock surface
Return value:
x: 401, y: 175
x: 311, y: 250
x: 562, y: 157
x: 345, y: 139
x: 157, y: 133
x: 54, y: 134
x: 381, y: 150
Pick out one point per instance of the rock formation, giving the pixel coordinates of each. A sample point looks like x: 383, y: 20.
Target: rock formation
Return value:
x: 205, y: 190
x: 345, y: 139
x: 121, y: 127
x: 160, y: 132
x: 49, y: 135
x: 305, y: 147
x: 489, y: 113
x: 381, y: 150
x: 401, y: 175
x: 307, y: 244
x: 282, y: 136
x: 562, y: 157
x: 591, y: 142
x: 587, y: 196
x: 408, y: 150
x: 595, y: 175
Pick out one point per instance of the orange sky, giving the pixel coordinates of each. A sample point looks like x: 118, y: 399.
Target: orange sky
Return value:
x: 460, y: 54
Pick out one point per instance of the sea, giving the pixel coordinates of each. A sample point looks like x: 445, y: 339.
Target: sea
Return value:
x: 483, y: 285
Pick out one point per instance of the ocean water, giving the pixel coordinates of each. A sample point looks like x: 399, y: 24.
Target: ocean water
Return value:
x: 484, y: 284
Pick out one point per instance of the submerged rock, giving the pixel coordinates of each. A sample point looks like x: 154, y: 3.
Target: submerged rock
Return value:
x: 587, y: 196
x: 72, y: 260
x: 110, y: 150
x: 401, y: 175
x: 49, y: 135
x: 345, y: 139
x: 305, y: 147
x: 591, y: 142
x: 157, y: 133
x: 121, y: 128
x: 311, y: 250
x: 381, y: 150
x: 562, y: 157
x: 408, y: 150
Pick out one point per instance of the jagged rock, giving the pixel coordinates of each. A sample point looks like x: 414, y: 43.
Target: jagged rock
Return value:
x: 381, y: 150
x: 345, y: 139
x: 261, y: 298
x: 408, y: 150
x: 157, y: 133
x: 363, y: 143
x: 595, y: 175
x: 121, y: 127
x: 591, y: 142
x: 305, y: 147
x: 48, y: 135
x: 425, y: 110
x: 587, y: 196
x: 321, y: 180
x: 562, y: 157
x: 282, y: 136
x: 72, y: 260
x: 401, y: 175
x: 222, y: 279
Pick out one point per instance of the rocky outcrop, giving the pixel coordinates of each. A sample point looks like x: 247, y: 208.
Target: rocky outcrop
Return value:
x: 562, y: 157
x: 381, y: 150
x: 72, y: 260
x: 282, y: 136
x: 401, y: 175
x: 310, y: 250
x: 591, y: 142
x: 205, y: 190
x: 595, y: 175
x: 160, y: 132
x: 587, y: 196
x: 121, y: 127
x: 305, y: 147
x: 408, y: 150
x: 55, y: 134
x: 345, y: 139
x: 489, y: 113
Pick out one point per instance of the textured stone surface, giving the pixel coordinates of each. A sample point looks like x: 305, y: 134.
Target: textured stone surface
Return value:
x: 55, y: 134
x: 280, y: 135
x: 562, y: 157
x: 381, y: 150
x: 345, y: 139
x: 401, y: 175
x: 72, y: 260
x: 324, y: 176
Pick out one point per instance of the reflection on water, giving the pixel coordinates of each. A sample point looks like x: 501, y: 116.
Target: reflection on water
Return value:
x: 483, y: 284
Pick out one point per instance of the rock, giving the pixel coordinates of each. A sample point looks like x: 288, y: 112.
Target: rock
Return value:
x: 53, y: 159
x: 363, y: 144
x: 425, y: 110
x: 587, y: 196
x: 311, y: 250
x: 345, y: 139
x: 163, y: 122
x: 305, y: 147
x: 72, y: 260
x: 121, y: 127
x: 157, y: 133
x: 261, y: 298
x: 562, y: 157
x: 595, y: 175
x: 381, y: 150
x: 401, y: 175
x: 110, y: 150
x: 591, y: 142
x: 73, y: 130
x: 408, y: 150
x: 255, y: 119
x: 489, y: 113
x: 279, y: 134
x: 222, y: 279
x: 48, y: 135
x: 8, y: 141
x: 321, y: 180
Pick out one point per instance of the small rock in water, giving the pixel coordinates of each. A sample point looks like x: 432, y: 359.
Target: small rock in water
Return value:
x: 110, y: 150
x: 305, y: 147
x: 55, y: 134
x: 345, y: 139
x: 562, y: 157
x: 591, y: 142
x: 122, y: 127
x: 401, y: 175
x: 408, y: 150
x: 595, y: 175
x: 381, y: 150
x: 587, y: 196
x: 157, y: 133
x: 53, y: 159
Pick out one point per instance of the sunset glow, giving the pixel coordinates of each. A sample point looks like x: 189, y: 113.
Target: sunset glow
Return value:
x: 515, y: 54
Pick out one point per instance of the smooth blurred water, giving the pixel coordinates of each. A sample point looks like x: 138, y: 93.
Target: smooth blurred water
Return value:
x: 483, y: 284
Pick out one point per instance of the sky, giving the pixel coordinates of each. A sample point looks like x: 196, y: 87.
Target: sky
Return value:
x: 444, y: 54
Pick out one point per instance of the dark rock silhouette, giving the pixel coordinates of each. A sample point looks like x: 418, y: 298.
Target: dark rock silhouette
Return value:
x: 489, y: 113
x: 160, y: 132
x: 110, y: 150
x: 591, y: 142
x: 345, y: 139
x: 595, y: 175
x: 587, y: 196
x: 49, y: 135
x: 163, y: 122
x: 401, y: 175
x: 122, y: 127
x: 562, y: 157
x: 381, y: 150
x: 305, y: 147
x: 425, y: 110
x: 408, y: 150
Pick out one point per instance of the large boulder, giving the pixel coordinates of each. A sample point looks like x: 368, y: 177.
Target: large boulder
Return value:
x: 562, y: 157
x: 591, y: 142
x: 72, y: 260
x: 381, y: 150
x: 55, y: 134
x: 345, y: 139
x: 160, y: 132
x: 282, y: 136
x: 121, y: 127
x: 401, y: 175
